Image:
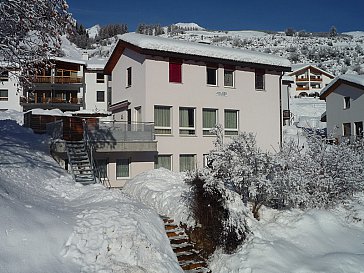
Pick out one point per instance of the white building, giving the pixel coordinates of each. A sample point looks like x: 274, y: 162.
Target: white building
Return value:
x: 96, y: 88
x: 309, y: 80
x: 345, y: 106
x: 10, y: 91
x: 186, y: 88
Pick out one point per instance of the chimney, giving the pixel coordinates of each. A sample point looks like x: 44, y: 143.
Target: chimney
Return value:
x: 85, y: 56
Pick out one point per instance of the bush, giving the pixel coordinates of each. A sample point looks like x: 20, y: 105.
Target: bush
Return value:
x: 219, y: 226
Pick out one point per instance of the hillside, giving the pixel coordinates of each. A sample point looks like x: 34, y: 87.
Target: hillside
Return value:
x: 338, y: 55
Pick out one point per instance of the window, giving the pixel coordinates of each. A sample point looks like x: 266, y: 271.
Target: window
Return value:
x: 100, y: 96
x: 100, y: 78
x: 209, y: 120
x: 187, y: 121
x: 207, y: 161
x: 346, y: 102
x: 4, y: 95
x: 259, y: 79
x: 162, y: 119
x: 359, y: 128
x: 102, y: 168
x: 346, y: 129
x: 122, y: 168
x: 128, y: 77
x: 187, y: 163
x: 228, y: 78
x: 211, y: 74
x: 163, y: 161
x: 4, y: 76
x: 175, y: 71
x: 231, y: 122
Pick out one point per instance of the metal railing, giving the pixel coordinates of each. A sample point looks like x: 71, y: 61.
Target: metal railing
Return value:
x: 120, y: 131
x: 90, y: 148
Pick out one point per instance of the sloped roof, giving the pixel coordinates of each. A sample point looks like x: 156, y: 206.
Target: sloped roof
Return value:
x: 184, y: 48
x: 297, y: 68
x: 349, y: 79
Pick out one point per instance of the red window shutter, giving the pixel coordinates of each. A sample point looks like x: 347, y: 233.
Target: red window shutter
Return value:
x: 175, y: 72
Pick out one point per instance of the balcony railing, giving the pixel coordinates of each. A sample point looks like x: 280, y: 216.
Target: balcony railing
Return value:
x: 301, y: 79
x: 57, y: 79
x: 300, y: 88
x: 122, y: 131
x: 316, y: 79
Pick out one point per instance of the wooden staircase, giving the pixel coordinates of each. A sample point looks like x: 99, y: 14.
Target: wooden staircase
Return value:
x: 187, y: 256
x: 81, y: 167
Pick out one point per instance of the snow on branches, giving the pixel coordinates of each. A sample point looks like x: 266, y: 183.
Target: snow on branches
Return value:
x: 30, y: 33
x: 319, y: 176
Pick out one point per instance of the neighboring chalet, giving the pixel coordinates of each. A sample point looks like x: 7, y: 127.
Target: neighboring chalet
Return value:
x: 345, y: 106
x: 58, y: 87
x: 187, y: 88
x: 309, y: 80
x: 69, y: 85
x: 10, y: 91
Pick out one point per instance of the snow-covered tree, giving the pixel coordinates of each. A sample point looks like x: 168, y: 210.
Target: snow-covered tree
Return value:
x: 30, y: 32
x: 321, y: 175
x: 243, y: 168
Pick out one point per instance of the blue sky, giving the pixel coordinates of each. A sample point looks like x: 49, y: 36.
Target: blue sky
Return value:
x: 308, y: 15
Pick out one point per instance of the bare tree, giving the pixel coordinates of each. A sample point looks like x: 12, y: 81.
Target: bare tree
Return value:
x: 30, y: 33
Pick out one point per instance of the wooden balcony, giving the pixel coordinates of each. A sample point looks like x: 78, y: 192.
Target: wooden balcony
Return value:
x: 301, y: 79
x: 315, y: 79
x: 302, y: 88
x: 57, y: 79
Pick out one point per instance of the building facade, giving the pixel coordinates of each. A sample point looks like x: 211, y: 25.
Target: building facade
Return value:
x: 186, y: 88
x: 10, y: 91
x: 344, y: 106
x: 309, y: 80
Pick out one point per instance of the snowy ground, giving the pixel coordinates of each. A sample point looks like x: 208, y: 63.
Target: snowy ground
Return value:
x: 50, y: 224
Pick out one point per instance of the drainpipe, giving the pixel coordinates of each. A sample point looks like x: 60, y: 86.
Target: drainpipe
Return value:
x: 280, y: 113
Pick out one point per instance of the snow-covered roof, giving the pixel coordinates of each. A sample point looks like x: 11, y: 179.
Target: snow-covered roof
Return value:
x: 299, y: 67
x: 197, y: 49
x: 351, y: 79
x: 96, y: 64
x: 69, y: 60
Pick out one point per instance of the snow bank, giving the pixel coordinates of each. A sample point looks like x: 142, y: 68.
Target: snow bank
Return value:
x: 164, y: 191
x: 51, y: 224
x: 295, y: 241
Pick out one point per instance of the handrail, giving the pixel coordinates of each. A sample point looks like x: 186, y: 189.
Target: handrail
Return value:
x: 90, y: 148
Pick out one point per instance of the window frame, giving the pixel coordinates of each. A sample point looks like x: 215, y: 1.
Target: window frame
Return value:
x: 4, y: 76
x: 194, y: 162
x: 97, y: 95
x: 233, y: 77
x: 129, y: 72
x: 156, y: 127
x: 169, y: 156
x: 207, y: 75
x: 231, y: 131
x: 116, y: 168
x: 175, y: 71
x: 2, y: 97
x: 181, y: 128
x: 345, y: 126
x: 259, y: 74
x: 347, y: 102
x: 100, y: 79
x: 357, y: 126
x: 206, y: 130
